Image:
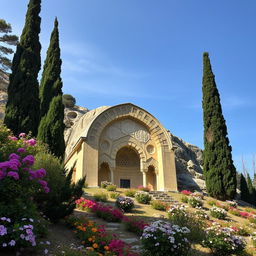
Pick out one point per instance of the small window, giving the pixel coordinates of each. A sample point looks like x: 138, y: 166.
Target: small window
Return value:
x: 125, y: 183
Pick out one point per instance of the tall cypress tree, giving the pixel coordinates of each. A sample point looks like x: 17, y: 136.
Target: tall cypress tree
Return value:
x: 245, y: 194
x: 252, y: 193
x: 51, y: 83
x: 51, y: 127
x: 219, y: 169
x: 23, y: 93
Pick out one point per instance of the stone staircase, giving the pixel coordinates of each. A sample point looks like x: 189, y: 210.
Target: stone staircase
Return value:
x: 162, y: 196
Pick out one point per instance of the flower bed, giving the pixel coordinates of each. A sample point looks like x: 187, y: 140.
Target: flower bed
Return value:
x: 159, y: 205
x: 134, y: 225
x: 222, y: 241
x: 186, y: 192
x: 163, y: 238
x: 84, y: 204
x: 195, y: 202
x: 95, y: 238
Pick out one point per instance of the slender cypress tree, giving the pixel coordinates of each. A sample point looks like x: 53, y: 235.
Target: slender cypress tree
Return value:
x: 219, y: 169
x: 252, y: 193
x: 51, y: 83
x: 51, y: 127
x: 23, y: 93
x: 245, y: 194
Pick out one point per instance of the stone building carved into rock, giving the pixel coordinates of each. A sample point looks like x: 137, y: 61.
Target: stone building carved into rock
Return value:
x: 123, y: 144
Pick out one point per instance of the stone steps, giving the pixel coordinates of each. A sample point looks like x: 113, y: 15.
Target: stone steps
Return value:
x: 161, y: 196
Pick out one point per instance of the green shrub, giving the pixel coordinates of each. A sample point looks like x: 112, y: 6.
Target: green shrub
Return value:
x: 195, y: 202
x: 68, y: 101
x: 114, y: 195
x: 143, y: 197
x: 101, y: 197
x: 234, y: 211
x: 184, y: 199
x: 111, y: 188
x: 130, y: 192
x: 158, y: 205
x: 60, y: 201
x: 212, y: 202
x: 105, y: 183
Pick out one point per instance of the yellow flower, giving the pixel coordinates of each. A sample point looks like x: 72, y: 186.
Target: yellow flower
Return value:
x: 94, y: 230
x: 89, y: 239
x: 95, y: 246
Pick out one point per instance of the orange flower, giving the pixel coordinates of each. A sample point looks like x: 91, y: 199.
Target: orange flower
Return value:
x: 95, y: 246
x: 94, y: 230
x: 106, y: 248
x: 89, y: 239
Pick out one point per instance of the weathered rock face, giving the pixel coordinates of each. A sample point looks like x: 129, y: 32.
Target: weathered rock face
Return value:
x: 71, y: 116
x: 189, y: 161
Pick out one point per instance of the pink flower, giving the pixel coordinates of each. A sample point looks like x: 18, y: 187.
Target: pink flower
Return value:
x: 46, y: 189
x: 12, y: 138
x: 22, y: 135
x: 186, y: 192
x: 14, y: 156
x: 15, y: 175
x: 31, y: 142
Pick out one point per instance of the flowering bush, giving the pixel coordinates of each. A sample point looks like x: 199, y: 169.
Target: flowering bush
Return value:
x: 142, y: 197
x: 177, y: 211
x: 245, y: 215
x: 253, y: 237
x: 252, y: 219
x: 130, y: 192
x: 195, y: 202
x: 107, y: 213
x: 142, y: 188
x: 159, y: 205
x: 222, y: 241
x: 134, y: 225
x: 84, y: 204
x: 186, y: 192
x: 218, y: 213
x: 232, y: 203
x: 184, y: 199
x: 240, y: 231
x: 198, y: 194
x: 200, y: 214
x: 125, y: 203
x: 163, y: 238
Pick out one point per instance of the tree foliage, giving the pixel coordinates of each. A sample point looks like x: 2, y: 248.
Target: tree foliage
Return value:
x: 51, y: 129
x: 219, y: 169
x: 245, y: 194
x: 68, y: 100
x: 51, y: 82
x: 22, y: 109
x: 6, y: 40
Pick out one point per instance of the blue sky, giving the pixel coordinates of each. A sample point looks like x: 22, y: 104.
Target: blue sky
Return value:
x: 149, y: 53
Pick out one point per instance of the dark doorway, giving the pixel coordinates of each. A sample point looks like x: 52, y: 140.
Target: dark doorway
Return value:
x: 125, y: 183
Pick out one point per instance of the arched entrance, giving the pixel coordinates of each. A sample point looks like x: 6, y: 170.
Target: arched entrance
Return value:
x: 151, y: 178
x: 104, y: 173
x: 127, y: 173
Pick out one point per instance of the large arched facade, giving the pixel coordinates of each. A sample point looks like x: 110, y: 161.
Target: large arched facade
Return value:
x: 124, y: 144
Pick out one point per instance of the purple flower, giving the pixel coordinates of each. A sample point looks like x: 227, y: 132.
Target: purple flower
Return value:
x: 14, y: 156
x: 15, y: 175
x: 46, y: 190
x: 22, y: 134
x: 21, y: 150
x: 3, y: 230
x: 12, y: 243
x: 40, y: 173
x: 43, y: 183
x: 45, y: 251
x: 14, y: 164
x: 22, y: 236
x: 29, y: 160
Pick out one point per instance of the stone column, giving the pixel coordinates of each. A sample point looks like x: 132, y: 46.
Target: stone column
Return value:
x: 144, y: 178
x: 111, y: 174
